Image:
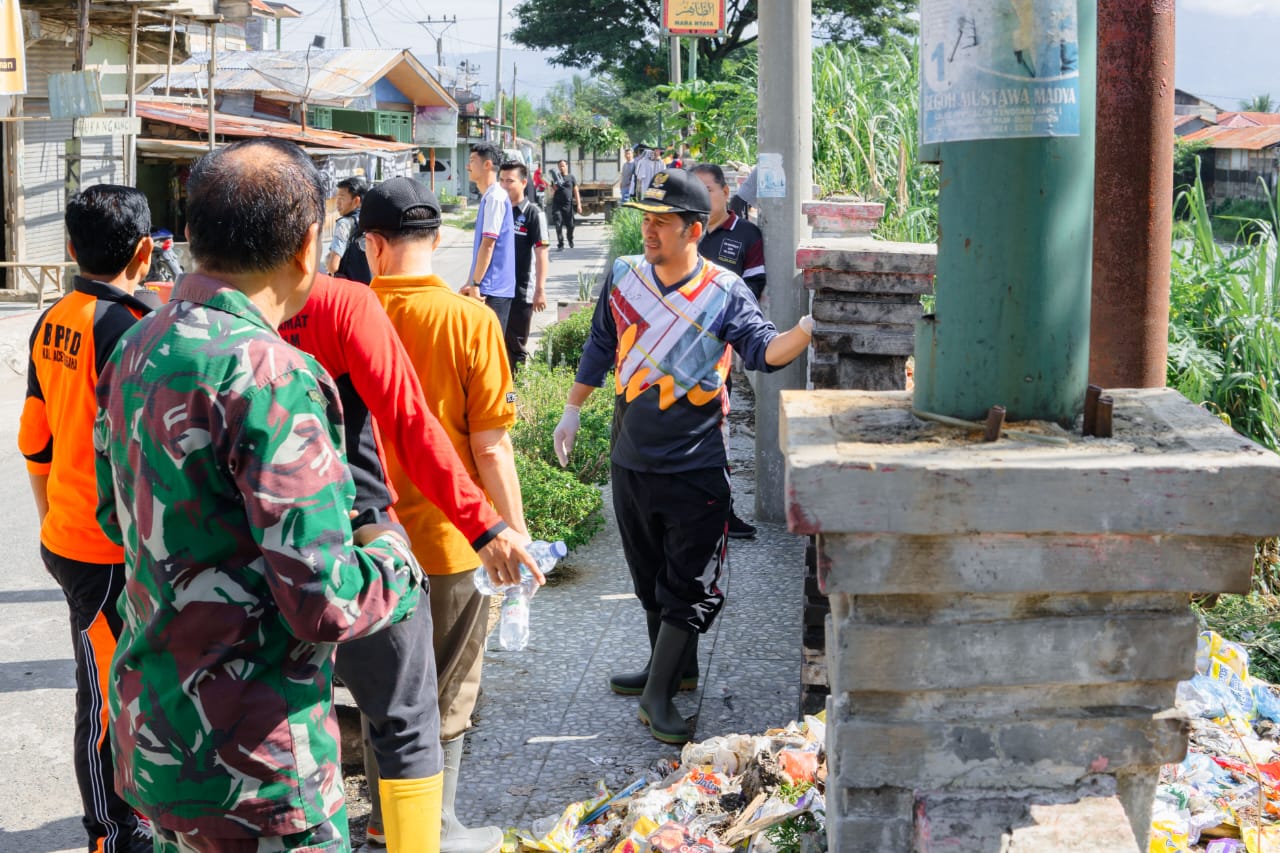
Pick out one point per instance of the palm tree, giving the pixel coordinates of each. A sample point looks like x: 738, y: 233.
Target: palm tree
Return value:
x: 1258, y: 104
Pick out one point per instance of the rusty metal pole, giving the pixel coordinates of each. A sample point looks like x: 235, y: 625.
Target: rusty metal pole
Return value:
x: 1133, y: 194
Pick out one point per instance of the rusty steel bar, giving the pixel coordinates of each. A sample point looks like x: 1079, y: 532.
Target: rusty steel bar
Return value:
x: 1133, y: 193
x: 1105, y: 406
x: 994, y: 424
x: 1091, y: 395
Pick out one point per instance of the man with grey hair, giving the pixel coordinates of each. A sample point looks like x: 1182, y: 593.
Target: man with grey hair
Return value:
x: 221, y: 472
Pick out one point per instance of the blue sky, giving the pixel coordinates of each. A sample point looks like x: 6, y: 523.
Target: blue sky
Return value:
x: 1228, y: 50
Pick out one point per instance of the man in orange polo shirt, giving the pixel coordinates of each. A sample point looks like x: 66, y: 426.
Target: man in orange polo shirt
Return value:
x: 456, y: 346
x: 109, y: 236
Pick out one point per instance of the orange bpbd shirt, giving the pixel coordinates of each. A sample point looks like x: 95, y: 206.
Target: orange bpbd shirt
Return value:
x: 457, y: 350
x: 70, y: 344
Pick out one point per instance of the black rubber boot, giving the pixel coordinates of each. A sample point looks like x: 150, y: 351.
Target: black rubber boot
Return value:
x: 657, y: 711
x: 454, y: 837
x: 632, y: 683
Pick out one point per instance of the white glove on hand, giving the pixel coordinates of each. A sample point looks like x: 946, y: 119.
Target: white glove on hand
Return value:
x: 566, y: 433
x: 806, y: 323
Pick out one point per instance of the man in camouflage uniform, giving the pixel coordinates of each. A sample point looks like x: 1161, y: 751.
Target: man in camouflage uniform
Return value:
x: 222, y: 473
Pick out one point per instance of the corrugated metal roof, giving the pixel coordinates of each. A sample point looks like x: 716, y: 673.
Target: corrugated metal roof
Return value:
x: 239, y: 126
x: 329, y: 76
x: 1246, y: 119
x: 1242, y: 138
x: 1179, y: 121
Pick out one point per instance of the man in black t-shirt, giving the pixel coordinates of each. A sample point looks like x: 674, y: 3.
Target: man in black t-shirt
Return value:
x: 565, y: 199
x: 531, y: 242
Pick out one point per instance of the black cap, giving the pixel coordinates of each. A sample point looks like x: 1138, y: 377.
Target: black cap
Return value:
x: 674, y: 191
x: 384, y: 207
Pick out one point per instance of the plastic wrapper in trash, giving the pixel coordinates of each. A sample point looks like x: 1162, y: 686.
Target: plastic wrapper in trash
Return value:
x: 1264, y: 839
x: 637, y: 840
x: 800, y: 764
x: 1226, y: 662
x: 563, y: 834
x: 1201, y: 696
x: 706, y: 782
x: 672, y: 837
x: 815, y: 727
x: 1170, y: 825
x: 727, y: 754
x: 1197, y: 771
x: 1268, y: 702
x: 1168, y: 836
x: 1225, y: 845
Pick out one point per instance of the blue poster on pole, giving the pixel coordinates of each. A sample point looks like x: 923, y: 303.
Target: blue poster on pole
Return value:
x: 998, y: 69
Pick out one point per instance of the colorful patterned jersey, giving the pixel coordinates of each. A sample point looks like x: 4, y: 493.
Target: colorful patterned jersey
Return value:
x: 221, y: 471
x: 669, y: 346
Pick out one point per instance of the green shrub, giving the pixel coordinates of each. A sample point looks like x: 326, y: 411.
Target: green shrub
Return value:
x: 556, y: 505
x: 541, y: 392
x: 562, y: 342
x: 624, y: 233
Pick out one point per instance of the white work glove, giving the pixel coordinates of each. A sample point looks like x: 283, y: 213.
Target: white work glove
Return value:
x: 806, y: 323
x: 566, y: 433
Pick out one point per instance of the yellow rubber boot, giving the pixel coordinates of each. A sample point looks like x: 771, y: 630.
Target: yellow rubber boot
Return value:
x: 411, y: 813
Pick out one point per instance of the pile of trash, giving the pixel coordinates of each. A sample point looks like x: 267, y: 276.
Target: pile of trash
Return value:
x: 762, y: 793
x: 1225, y: 795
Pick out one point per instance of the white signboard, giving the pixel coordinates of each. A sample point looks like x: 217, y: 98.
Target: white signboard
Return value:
x: 107, y: 126
x: 771, y: 180
x: 435, y: 127
x: 998, y: 69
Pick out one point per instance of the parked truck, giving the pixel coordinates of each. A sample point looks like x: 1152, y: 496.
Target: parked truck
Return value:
x: 597, y: 175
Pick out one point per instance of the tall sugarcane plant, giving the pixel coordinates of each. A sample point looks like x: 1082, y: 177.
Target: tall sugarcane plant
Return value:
x: 1224, y: 335
x: 865, y: 113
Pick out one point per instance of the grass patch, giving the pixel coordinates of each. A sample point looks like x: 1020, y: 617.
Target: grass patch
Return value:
x: 464, y: 220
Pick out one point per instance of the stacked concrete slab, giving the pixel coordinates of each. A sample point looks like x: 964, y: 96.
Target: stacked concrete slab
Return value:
x: 1010, y: 619
x: 866, y: 297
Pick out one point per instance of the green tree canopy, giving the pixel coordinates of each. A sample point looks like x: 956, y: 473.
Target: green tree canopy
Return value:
x: 1258, y: 104
x: 529, y: 124
x: 636, y: 114
x: 589, y: 34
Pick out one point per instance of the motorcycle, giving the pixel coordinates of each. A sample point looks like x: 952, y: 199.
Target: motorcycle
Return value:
x: 164, y: 261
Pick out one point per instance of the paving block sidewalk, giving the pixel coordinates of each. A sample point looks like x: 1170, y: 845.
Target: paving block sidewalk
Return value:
x: 547, y: 726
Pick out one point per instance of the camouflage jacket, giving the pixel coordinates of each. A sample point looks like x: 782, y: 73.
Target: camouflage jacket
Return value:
x: 221, y: 471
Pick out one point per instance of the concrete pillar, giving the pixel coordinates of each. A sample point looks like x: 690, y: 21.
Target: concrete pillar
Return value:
x: 786, y: 96
x: 1133, y: 213
x: 1009, y: 620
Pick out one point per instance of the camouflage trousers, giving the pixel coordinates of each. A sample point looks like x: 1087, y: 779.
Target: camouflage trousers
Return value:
x: 331, y: 837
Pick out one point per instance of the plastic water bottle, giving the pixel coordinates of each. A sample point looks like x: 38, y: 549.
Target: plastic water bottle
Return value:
x: 513, y: 627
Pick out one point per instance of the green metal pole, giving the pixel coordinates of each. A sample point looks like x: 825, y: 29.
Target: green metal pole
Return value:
x: 1011, y: 319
